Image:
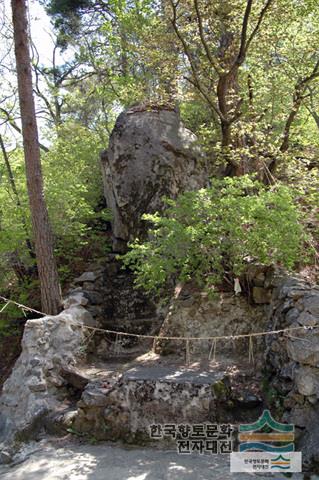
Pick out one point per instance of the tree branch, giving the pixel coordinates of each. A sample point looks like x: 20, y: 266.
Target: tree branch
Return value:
x: 196, y: 82
x: 243, y: 48
x: 259, y: 22
x: 300, y: 87
x: 203, y: 40
x: 16, y: 127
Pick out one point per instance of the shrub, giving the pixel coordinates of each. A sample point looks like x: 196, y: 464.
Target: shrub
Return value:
x: 202, y: 234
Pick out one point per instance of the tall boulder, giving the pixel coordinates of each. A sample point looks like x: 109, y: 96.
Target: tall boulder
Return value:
x: 150, y: 155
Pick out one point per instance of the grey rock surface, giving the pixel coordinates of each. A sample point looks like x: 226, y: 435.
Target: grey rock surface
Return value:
x: 30, y: 392
x: 88, y: 277
x: 293, y: 359
x: 124, y: 409
x: 194, y: 314
x: 307, y: 381
x: 150, y: 155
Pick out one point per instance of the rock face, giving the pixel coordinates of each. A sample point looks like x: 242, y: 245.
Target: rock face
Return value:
x: 151, y: 154
x: 32, y: 389
x: 293, y: 360
x: 193, y: 314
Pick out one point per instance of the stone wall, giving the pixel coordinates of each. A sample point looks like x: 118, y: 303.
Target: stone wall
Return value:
x: 114, y: 408
x: 109, y: 294
x: 124, y: 409
x: 193, y: 313
x: 292, y: 360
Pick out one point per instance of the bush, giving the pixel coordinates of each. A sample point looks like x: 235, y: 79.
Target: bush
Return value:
x: 205, y: 233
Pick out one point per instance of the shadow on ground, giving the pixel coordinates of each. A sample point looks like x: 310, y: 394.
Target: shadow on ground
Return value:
x: 105, y: 462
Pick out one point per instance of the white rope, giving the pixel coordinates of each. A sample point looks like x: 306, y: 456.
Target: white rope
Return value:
x: 23, y: 307
x: 156, y: 337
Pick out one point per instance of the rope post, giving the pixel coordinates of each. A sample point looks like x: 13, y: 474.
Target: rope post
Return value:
x: 187, y: 354
x: 251, y: 358
x: 212, y: 352
x: 117, y: 344
x: 154, y: 344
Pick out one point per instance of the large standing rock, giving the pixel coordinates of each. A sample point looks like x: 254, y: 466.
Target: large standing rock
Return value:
x: 151, y: 155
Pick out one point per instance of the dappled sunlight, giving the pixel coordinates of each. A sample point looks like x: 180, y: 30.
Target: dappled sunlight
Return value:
x: 105, y: 462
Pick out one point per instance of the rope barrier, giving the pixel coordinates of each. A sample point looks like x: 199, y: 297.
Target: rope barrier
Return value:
x: 22, y: 307
x: 160, y: 337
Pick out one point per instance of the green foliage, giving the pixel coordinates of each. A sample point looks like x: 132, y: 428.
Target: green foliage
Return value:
x: 73, y: 188
x: 121, y: 52
x: 73, y: 180
x: 205, y: 233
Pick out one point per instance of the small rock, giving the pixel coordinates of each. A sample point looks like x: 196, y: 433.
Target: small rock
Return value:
x: 305, y: 348
x: 5, y: 457
x: 74, y: 377
x: 95, y: 297
x: 312, y: 399
x: 77, y: 298
x: 296, y: 293
x: 311, y: 304
x: 288, y: 371
x: 292, y: 315
x: 89, y: 285
x: 307, y: 320
x: 249, y: 400
x: 307, y: 381
x: 94, y: 398
x: 82, y: 315
x: 261, y: 295
x: 88, y: 277
x: 35, y: 385
x: 259, y: 280
x: 299, y: 416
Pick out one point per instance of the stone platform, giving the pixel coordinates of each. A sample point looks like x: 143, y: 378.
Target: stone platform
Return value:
x: 153, y: 391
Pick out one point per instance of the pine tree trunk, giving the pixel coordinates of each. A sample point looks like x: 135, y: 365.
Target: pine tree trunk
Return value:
x: 43, y: 240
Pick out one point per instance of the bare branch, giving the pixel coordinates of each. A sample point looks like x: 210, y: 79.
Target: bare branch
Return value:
x: 196, y: 82
x: 298, y: 98
x: 16, y: 127
x: 243, y: 36
x: 203, y: 40
x: 259, y: 22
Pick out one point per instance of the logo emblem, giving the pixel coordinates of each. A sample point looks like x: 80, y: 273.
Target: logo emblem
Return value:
x: 266, y: 445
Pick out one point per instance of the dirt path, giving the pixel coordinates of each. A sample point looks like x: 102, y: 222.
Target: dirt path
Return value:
x: 105, y: 462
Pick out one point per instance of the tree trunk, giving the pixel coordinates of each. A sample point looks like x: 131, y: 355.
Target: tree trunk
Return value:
x: 290, y: 120
x: 47, y: 269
